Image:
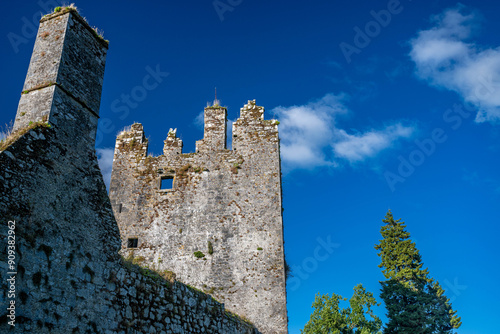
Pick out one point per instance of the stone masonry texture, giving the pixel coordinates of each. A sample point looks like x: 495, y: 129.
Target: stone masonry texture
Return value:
x: 68, y: 55
x: 70, y: 277
x: 219, y: 228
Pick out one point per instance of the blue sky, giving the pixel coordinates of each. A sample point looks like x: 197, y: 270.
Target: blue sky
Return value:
x: 383, y: 105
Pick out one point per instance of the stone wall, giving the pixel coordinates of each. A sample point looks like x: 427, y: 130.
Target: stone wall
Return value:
x: 70, y: 278
x: 219, y: 228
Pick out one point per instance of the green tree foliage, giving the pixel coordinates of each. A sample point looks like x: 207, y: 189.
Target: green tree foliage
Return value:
x: 415, y: 302
x: 329, y: 318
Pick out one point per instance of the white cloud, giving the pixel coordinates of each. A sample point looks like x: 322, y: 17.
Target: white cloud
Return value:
x: 307, y: 130
x: 444, y: 58
x: 199, y: 121
x: 358, y: 147
x: 105, y: 158
x: 310, y: 136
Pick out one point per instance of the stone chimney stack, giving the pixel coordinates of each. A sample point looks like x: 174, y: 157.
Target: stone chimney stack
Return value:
x: 66, y: 72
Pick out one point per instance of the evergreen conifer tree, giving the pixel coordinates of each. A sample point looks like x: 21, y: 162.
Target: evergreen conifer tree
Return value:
x: 415, y: 302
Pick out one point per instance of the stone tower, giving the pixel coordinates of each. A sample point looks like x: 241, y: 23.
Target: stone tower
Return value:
x: 65, y: 76
x: 213, y: 218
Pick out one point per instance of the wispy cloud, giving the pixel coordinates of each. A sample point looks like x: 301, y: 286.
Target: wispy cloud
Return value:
x: 445, y: 58
x: 199, y: 120
x: 307, y: 130
x: 474, y: 179
x: 359, y: 147
x: 105, y: 158
x: 310, y: 136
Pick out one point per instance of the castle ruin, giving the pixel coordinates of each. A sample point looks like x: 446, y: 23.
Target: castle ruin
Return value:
x: 218, y: 225
x: 217, y: 228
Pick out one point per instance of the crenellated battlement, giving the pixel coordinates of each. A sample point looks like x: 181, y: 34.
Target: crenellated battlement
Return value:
x: 132, y: 139
x: 252, y: 111
x: 212, y: 217
x: 249, y: 127
x: 215, y: 135
x: 172, y: 145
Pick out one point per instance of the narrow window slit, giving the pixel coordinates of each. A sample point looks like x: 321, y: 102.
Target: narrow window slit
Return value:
x: 132, y: 242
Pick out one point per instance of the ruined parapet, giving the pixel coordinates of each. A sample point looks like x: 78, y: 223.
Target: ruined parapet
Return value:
x: 132, y: 139
x: 66, y: 73
x: 172, y: 145
x: 215, y: 136
x: 252, y: 111
x: 251, y: 127
x: 218, y: 226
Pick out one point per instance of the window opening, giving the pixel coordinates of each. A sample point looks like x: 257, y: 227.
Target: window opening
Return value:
x: 167, y: 183
x: 132, y: 242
